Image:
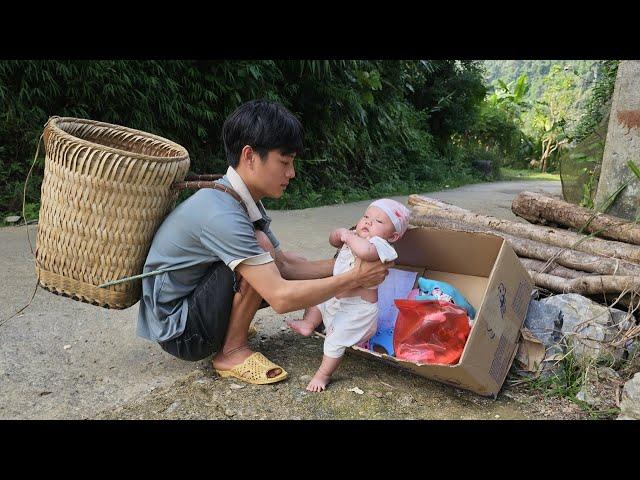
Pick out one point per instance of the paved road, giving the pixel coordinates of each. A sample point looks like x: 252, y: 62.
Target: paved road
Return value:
x: 63, y: 359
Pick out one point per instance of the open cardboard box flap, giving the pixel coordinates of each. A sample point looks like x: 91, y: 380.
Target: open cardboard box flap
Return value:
x: 489, y: 274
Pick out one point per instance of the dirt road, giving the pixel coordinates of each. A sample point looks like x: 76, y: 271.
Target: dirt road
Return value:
x: 63, y: 359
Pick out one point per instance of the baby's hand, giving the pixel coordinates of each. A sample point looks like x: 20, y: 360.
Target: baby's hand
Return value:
x: 344, y: 234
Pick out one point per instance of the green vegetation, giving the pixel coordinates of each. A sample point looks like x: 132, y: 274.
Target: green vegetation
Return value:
x: 372, y: 128
x: 559, y: 111
x: 586, y: 72
x: 567, y: 382
x: 389, y: 121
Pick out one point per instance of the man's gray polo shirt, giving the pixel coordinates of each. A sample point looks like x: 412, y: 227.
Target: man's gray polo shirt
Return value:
x: 208, y: 227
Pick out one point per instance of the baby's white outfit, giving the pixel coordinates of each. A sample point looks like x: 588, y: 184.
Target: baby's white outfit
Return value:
x: 351, y: 320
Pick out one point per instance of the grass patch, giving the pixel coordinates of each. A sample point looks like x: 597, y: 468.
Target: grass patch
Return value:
x: 526, y: 174
x: 567, y: 382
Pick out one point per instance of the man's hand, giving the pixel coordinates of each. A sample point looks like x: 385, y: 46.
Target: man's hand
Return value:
x: 371, y: 274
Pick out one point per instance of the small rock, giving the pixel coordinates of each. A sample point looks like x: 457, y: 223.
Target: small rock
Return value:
x: 630, y: 399
x: 42, y: 394
x: 624, y: 417
x: 235, y: 386
x: 305, y: 378
x: 608, y: 373
x: 172, y: 407
x: 496, y: 416
x: 12, y: 219
x: 589, y: 395
x: 229, y: 413
x: 283, y: 329
x: 67, y: 347
x: 406, y: 400
x: 356, y: 390
x: 378, y: 395
x: 201, y: 381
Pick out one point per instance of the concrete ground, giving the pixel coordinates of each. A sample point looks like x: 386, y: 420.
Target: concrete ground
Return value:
x: 63, y: 359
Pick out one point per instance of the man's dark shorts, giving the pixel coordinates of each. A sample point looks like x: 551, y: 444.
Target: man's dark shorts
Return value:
x: 208, y: 316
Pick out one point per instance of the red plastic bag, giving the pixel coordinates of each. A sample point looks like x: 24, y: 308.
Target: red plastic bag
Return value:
x: 430, y: 331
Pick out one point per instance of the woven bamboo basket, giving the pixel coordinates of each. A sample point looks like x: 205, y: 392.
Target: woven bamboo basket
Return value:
x: 106, y: 189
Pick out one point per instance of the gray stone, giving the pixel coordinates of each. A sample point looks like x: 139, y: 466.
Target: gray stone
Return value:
x: 584, y: 396
x: 405, y: 400
x: 545, y: 322
x: 12, y: 219
x: 172, y: 407
x: 622, y: 143
x: 588, y: 327
x: 630, y: 400
x: 589, y: 393
x: 633, y: 348
x: 624, y: 417
x: 608, y: 373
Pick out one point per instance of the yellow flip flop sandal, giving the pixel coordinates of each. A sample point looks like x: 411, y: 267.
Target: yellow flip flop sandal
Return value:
x: 254, y: 370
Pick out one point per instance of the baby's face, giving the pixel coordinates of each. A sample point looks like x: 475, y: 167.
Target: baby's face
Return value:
x: 376, y: 223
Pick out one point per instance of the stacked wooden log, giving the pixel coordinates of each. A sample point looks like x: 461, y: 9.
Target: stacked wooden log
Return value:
x: 600, y: 255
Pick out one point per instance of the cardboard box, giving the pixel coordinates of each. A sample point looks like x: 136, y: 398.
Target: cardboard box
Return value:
x: 489, y: 274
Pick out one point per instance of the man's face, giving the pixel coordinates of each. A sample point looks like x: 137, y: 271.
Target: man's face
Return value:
x: 274, y: 174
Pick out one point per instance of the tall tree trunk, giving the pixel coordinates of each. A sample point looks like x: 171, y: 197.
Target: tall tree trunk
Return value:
x: 545, y: 154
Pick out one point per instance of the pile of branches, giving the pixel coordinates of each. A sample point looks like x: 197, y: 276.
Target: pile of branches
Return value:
x: 565, y: 248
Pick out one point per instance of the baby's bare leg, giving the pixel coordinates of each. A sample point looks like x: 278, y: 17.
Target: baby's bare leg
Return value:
x: 310, y: 321
x: 323, y: 375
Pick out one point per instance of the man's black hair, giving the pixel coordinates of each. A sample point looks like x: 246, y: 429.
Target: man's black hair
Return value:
x: 264, y: 126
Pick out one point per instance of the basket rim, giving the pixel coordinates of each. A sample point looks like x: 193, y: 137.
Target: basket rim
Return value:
x: 52, y: 123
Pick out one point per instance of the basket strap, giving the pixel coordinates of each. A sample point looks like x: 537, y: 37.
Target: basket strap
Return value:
x: 210, y: 184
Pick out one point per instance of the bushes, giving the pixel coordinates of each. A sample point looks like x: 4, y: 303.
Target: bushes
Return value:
x: 388, y: 121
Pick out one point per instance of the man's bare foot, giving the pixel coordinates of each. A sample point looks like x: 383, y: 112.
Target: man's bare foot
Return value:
x: 303, y: 327
x: 318, y: 383
x: 222, y: 361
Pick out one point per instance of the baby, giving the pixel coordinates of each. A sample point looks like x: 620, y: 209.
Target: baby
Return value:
x: 351, y: 317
